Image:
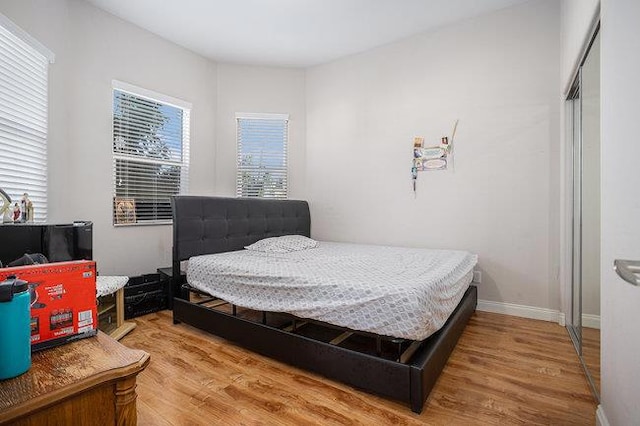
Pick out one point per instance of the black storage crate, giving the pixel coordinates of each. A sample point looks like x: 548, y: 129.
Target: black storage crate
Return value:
x: 144, y: 294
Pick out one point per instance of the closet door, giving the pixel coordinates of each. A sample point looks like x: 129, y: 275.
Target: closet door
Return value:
x: 590, y: 213
x: 576, y: 267
x: 583, y: 132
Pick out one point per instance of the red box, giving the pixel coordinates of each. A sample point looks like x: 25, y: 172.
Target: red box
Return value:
x: 63, y: 301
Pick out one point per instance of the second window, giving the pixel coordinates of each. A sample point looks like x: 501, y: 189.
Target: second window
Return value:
x: 262, y: 155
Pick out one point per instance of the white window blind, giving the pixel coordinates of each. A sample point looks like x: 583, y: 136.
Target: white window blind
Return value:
x: 150, y: 154
x: 23, y: 119
x: 262, y: 155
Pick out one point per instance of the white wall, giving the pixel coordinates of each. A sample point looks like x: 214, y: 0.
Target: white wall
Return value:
x: 262, y: 90
x: 93, y: 48
x: 106, y: 48
x: 498, y: 74
x: 620, y: 209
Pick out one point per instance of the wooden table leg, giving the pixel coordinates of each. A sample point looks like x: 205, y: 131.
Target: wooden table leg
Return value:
x: 126, y: 414
x: 123, y: 327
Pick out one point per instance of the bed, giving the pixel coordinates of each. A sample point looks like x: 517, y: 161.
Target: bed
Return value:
x: 358, y: 326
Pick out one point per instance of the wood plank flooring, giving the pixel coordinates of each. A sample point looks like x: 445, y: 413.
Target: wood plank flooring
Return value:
x: 504, y: 370
x: 591, y: 353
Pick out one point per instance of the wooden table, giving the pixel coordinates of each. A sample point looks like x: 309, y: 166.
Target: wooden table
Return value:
x: 88, y: 382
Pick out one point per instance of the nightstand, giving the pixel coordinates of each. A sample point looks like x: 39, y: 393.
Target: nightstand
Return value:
x: 111, y: 307
x: 166, y: 275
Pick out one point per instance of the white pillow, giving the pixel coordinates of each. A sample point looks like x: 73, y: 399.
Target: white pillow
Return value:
x: 284, y: 244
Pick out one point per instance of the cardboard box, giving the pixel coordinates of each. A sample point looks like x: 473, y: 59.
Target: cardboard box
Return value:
x: 63, y: 301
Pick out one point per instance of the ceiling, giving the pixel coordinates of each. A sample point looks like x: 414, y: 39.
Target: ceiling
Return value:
x: 296, y: 33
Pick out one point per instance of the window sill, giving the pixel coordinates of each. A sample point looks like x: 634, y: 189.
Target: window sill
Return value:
x: 149, y: 223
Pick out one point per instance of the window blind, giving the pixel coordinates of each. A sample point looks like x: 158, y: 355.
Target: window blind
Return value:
x: 262, y: 155
x: 150, y: 157
x: 23, y: 121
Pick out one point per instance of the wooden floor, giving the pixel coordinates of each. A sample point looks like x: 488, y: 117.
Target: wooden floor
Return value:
x: 504, y: 370
x: 591, y: 353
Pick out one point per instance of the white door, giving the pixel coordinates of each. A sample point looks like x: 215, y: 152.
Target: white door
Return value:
x: 620, y: 305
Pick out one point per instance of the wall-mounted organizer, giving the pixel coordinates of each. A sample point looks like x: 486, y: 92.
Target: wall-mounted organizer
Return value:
x: 431, y: 157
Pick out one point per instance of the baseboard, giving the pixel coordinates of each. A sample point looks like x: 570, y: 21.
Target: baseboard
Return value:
x: 591, y: 321
x: 561, y: 319
x: 523, y: 311
x: 601, y: 418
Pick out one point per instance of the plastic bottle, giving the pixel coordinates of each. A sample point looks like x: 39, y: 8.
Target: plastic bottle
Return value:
x: 15, y: 328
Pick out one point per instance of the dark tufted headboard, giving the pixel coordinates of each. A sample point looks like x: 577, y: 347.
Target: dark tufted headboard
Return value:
x: 206, y: 225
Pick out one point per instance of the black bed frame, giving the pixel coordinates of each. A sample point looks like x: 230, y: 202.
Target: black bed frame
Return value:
x: 206, y: 225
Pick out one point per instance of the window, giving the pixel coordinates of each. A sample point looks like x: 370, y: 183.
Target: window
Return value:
x: 150, y: 154
x: 24, y: 67
x: 262, y: 155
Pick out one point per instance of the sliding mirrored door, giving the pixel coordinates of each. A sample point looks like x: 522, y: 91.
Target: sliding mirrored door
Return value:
x: 574, y: 114
x: 590, y: 197
x: 583, y: 133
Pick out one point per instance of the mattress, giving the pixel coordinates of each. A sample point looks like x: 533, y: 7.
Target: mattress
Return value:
x: 391, y: 291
